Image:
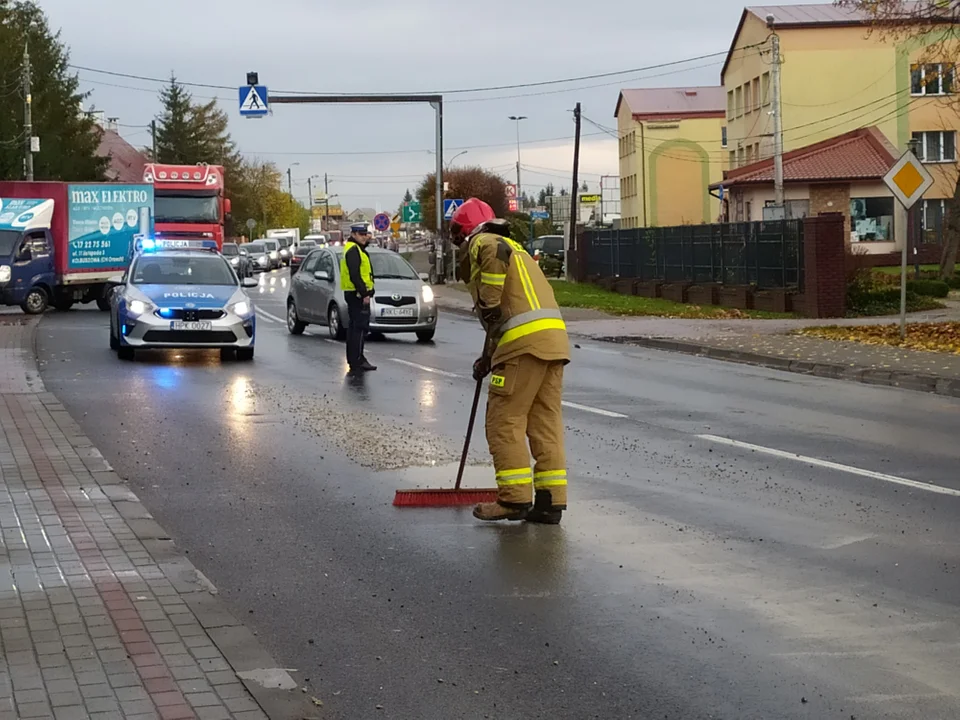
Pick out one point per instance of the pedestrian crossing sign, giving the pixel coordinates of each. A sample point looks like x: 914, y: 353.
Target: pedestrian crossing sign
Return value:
x: 253, y: 101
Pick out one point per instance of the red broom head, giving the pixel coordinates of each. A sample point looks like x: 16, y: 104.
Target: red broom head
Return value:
x: 443, y: 498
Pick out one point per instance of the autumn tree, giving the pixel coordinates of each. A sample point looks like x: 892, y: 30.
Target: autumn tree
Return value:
x: 466, y: 182
x: 69, y: 138
x: 257, y: 193
x: 934, y: 27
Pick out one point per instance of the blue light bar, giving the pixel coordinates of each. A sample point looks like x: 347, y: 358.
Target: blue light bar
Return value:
x: 184, y: 244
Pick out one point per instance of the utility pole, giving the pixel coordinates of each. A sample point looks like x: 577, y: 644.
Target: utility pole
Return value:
x: 572, y: 238
x: 326, y: 203
x: 290, y: 181
x: 517, y: 119
x: 777, y: 118
x: 310, y: 199
x: 153, y: 134
x: 27, y: 114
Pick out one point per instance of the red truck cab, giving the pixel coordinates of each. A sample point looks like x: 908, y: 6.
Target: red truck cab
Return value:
x: 189, y: 201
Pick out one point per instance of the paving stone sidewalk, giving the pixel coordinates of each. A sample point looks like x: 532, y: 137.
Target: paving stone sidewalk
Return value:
x: 100, y: 616
x: 769, y: 343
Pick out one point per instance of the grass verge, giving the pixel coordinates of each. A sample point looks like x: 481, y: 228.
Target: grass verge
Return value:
x: 584, y: 295
x: 933, y: 337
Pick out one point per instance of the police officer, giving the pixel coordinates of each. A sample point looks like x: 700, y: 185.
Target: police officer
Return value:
x: 356, y: 281
x: 526, y: 351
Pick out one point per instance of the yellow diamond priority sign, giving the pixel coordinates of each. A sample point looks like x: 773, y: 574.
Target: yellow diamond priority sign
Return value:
x: 908, y: 179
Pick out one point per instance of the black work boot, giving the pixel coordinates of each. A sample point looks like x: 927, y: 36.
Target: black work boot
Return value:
x: 543, y: 512
x: 367, y: 366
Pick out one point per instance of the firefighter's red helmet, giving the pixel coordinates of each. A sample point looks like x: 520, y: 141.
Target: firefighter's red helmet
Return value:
x: 469, y: 216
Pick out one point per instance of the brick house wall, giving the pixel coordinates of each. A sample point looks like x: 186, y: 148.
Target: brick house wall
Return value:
x: 832, y: 199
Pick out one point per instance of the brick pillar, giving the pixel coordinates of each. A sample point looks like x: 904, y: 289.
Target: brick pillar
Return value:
x: 824, y: 258
x: 826, y: 199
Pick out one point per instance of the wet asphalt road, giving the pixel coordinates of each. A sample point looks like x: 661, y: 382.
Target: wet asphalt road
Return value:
x: 691, y: 578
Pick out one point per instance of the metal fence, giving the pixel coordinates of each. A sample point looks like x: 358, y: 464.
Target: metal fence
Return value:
x: 767, y: 254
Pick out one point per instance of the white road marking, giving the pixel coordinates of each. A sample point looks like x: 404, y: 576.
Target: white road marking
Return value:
x: 595, y: 411
x: 267, y: 315
x: 425, y: 368
x: 916, y: 485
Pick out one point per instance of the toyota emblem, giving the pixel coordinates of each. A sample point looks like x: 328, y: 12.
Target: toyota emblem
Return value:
x: 395, y: 296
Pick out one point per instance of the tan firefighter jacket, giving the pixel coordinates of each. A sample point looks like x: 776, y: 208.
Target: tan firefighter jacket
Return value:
x: 514, y: 300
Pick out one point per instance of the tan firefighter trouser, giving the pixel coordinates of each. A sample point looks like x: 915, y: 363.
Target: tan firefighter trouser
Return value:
x: 524, y: 402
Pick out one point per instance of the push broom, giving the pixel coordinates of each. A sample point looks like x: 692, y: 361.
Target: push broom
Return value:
x: 449, y: 497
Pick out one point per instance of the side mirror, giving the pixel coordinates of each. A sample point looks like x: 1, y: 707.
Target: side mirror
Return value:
x: 25, y: 255
x: 227, y: 206
x: 425, y: 277
x: 243, y: 252
x: 322, y: 275
x: 249, y: 282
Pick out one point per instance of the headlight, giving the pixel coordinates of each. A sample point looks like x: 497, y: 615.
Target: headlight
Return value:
x: 136, y: 307
x: 235, y: 261
x: 5, y: 273
x: 426, y: 293
x: 241, y: 308
x: 273, y: 254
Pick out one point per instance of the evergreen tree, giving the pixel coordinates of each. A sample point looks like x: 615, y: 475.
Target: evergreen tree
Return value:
x: 178, y: 141
x: 69, y: 139
x: 408, y: 196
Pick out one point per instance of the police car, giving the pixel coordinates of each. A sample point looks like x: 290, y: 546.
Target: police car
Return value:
x: 181, y: 294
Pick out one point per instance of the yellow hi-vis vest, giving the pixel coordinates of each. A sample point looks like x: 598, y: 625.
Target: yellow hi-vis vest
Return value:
x: 366, y: 270
x: 502, y: 273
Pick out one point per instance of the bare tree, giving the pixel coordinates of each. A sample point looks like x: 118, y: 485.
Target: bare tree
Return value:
x: 936, y: 25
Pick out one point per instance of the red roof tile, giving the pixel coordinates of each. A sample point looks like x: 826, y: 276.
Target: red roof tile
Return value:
x: 862, y: 154
x: 674, y: 102
x: 126, y: 162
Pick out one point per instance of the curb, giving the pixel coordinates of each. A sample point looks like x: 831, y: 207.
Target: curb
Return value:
x: 919, y: 382
x: 278, y: 695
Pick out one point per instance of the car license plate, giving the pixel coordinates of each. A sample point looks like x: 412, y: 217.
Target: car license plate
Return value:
x: 184, y: 325
x: 397, y: 312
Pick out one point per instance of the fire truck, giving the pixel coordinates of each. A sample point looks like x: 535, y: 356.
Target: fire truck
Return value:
x: 189, y: 201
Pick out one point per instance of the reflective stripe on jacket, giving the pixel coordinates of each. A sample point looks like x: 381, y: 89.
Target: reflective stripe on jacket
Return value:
x: 347, y: 283
x: 503, y: 276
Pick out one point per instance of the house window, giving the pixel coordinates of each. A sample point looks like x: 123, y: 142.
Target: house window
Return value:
x: 730, y: 106
x: 756, y: 93
x: 934, y: 212
x: 765, y: 89
x: 796, y: 209
x: 871, y: 219
x: 740, y: 157
x: 733, y: 159
x: 738, y: 100
x: 937, y: 145
x: 747, y: 97
x: 750, y: 157
x: 932, y: 79
x: 723, y: 136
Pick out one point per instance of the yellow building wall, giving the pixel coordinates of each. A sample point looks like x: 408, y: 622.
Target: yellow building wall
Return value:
x: 666, y: 168
x: 836, y: 79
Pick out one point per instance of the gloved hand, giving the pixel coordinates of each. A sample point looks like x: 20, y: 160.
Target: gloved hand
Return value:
x: 481, y: 368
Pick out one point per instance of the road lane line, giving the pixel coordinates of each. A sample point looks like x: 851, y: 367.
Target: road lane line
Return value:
x: 575, y: 406
x: 267, y: 315
x: 595, y: 411
x: 425, y: 368
x: 915, y: 484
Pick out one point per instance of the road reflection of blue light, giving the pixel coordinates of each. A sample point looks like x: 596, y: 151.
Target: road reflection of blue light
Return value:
x: 166, y: 377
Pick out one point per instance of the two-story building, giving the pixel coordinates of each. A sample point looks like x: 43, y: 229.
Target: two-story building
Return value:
x: 838, y: 75
x: 671, y: 148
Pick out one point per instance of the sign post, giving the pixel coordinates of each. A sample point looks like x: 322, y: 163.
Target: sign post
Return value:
x: 908, y: 180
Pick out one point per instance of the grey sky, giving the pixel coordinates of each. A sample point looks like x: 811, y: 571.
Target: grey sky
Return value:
x: 415, y: 46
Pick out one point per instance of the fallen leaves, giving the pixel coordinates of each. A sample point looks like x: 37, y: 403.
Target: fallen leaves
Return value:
x: 941, y: 337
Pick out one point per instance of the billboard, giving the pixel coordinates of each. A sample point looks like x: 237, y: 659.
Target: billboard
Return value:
x: 102, y: 221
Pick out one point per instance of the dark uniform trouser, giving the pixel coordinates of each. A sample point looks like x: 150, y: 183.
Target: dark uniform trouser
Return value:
x: 524, y: 401
x: 357, y: 329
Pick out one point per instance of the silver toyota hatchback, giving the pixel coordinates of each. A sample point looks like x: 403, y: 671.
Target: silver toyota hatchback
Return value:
x: 402, y: 303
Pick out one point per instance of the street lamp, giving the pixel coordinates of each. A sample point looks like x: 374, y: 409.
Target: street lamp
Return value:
x: 464, y: 152
x: 290, y: 178
x: 310, y: 195
x: 517, y: 119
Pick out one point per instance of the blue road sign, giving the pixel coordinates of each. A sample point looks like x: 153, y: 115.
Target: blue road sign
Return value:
x: 253, y: 101
x: 381, y: 222
x: 540, y: 215
x: 449, y: 207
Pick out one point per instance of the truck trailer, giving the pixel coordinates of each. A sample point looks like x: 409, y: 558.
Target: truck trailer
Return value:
x: 61, y: 242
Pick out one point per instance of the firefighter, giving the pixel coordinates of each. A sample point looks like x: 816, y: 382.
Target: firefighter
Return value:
x: 356, y: 281
x: 525, y: 352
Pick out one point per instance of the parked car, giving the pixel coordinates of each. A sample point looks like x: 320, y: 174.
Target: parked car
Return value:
x: 284, y: 250
x: 549, y: 245
x: 259, y: 256
x: 402, y: 303
x: 273, y: 252
x: 238, y: 259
